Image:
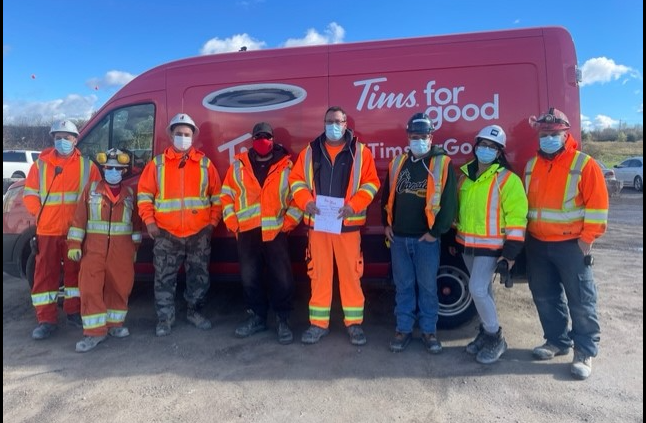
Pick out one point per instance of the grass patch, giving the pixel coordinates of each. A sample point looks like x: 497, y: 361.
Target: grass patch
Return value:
x: 613, y: 152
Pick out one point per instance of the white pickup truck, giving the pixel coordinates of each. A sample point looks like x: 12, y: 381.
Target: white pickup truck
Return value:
x: 16, y: 163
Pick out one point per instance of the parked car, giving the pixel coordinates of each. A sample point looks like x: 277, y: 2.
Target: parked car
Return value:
x: 16, y: 163
x: 631, y: 172
x: 613, y: 185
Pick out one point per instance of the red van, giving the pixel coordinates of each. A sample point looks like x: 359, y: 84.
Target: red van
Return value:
x: 464, y: 82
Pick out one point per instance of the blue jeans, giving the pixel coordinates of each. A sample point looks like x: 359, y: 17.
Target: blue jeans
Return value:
x: 563, y: 285
x: 415, y: 263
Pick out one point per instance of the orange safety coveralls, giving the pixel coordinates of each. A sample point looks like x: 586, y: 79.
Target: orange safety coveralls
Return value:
x: 58, y: 208
x: 345, y: 247
x: 108, y: 231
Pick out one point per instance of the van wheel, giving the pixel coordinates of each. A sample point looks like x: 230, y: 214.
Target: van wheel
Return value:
x: 17, y: 175
x: 639, y: 184
x: 456, y: 304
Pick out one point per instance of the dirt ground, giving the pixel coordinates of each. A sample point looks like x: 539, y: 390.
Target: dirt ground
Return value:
x: 194, y: 376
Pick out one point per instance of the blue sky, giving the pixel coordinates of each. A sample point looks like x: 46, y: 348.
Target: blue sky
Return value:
x: 65, y: 58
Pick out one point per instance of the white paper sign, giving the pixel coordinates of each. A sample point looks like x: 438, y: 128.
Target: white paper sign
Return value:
x: 328, y: 220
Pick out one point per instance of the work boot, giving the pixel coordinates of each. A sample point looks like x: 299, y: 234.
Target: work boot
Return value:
x: 118, y: 332
x: 285, y: 335
x: 75, y: 320
x: 548, y: 351
x: 314, y: 334
x: 88, y: 343
x: 581, y: 366
x: 357, y: 337
x: 476, y: 345
x: 197, y: 319
x: 400, y: 341
x: 43, y: 331
x: 432, y: 344
x: 164, y: 326
x: 494, y: 346
x: 253, y: 325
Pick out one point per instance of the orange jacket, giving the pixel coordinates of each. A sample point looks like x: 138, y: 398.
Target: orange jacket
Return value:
x: 106, y: 225
x: 180, y: 192
x: 362, y: 187
x: 64, y: 189
x: 567, y: 196
x: 246, y: 205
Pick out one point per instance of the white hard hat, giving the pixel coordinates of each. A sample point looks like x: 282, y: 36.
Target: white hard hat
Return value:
x: 182, y: 119
x: 493, y: 133
x: 64, y: 126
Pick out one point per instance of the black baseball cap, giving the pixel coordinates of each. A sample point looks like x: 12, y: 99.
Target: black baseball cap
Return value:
x: 262, y: 128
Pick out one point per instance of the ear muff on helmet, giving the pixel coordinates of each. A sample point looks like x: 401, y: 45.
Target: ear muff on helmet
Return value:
x: 101, y: 158
x: 123, y: 158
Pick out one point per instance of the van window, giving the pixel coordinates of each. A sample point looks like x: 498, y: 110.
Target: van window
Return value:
x: 34, y: 156
x: 14, y: 156
x: 129, y: 129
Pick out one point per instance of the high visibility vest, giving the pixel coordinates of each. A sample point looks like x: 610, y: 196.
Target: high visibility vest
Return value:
x: 64, y: 189
x: 438, y: 171
x: 115, y: 221
x: 563, y: 204
x: 246, y: 205
x: 355, y: 186
x: 180, y: 193
x: 492, y: 209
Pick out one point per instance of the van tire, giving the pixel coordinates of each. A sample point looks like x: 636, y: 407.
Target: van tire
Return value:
x: 17, y: 175
x: 456, y: 303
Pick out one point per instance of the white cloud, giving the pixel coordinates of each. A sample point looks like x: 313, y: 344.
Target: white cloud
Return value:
x: 333, y: 34
x: 234, y: 43
x: 602, y: 122
x: 6, y: 48
x: 640, y: 109
x: 517, y: 21
x: 602, y: 69
x: 73, y: 106
x: 111, y: 79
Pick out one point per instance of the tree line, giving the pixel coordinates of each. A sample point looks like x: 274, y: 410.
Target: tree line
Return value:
x: 623, y: 133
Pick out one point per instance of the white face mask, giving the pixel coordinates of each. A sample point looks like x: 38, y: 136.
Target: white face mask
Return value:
x: 182, y: 143
x: 113, y: 176
x: 334, y: 131
x: 419, y: 147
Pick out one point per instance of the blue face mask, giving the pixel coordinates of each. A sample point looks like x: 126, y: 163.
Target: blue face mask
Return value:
x: 112, y: 176
x: 486, y: 155
x: 333, y: 132
x: 419, y: 147
x: 64, y: 146
x: 550, y: 144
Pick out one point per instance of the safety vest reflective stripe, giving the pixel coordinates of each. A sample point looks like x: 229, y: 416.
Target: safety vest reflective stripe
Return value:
x: 76, y: 234
x: 596, y: 216
x: 31, y: 191
x: 482, y: 241
x: 308, y: 172
x: 44, y: 298
x: 295, y: 213
x: 72, y: 292
x: 437, y: 172
x: 145, y: 197
x: 319, y: 313
x: 136, y: 237
x: 109, y: 228
x: 271, y: 223
x: 556, y: 215
x: 493, y: 201
x: 249, y: 213
x: 169, y: 205
x: 572, y: 185
x: 94, y: 321
x: 116, y: 316
x: 515, y: 234
x: 57, y: 198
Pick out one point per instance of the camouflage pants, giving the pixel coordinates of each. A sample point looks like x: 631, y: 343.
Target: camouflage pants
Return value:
x: 170, y: 252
